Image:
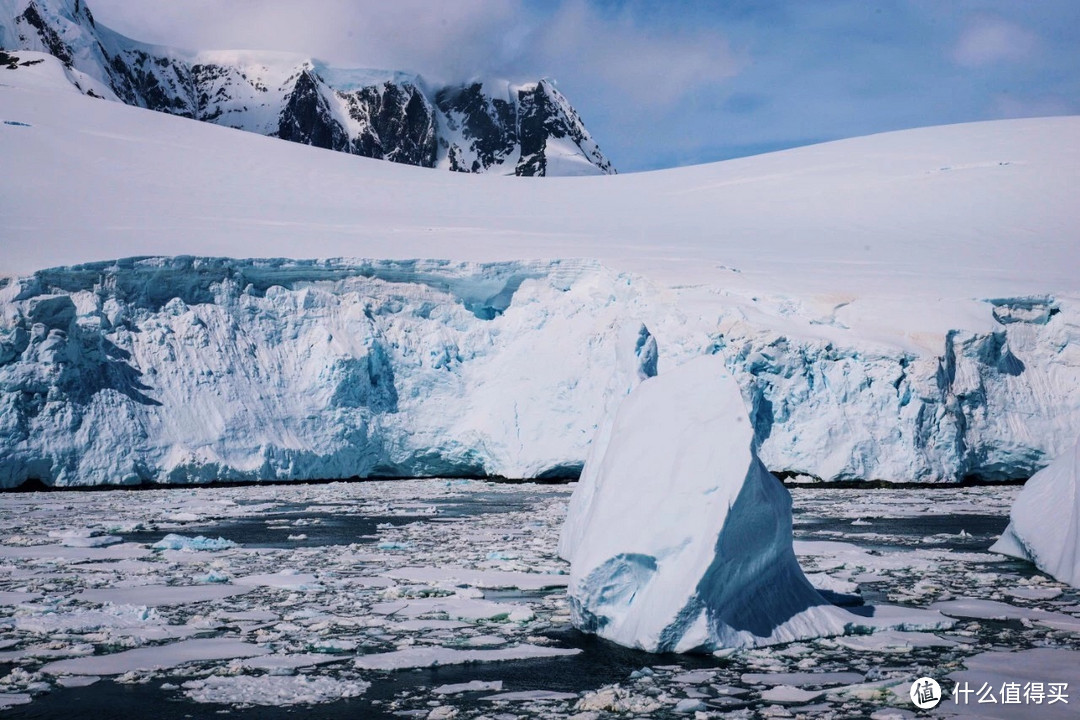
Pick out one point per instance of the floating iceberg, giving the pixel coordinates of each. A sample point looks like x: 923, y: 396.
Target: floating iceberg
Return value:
x: 685, y: 542
x: 680, y: 539
x: 1044, y: 522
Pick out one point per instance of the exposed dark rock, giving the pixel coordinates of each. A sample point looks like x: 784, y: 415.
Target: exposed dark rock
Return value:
x: 466, y: 128
x: 307, y: 118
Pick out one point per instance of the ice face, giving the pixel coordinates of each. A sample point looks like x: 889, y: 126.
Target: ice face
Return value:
x: 185, y: 370
x: 1044, y: 523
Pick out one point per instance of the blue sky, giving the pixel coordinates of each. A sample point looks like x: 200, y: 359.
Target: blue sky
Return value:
x: 684, y: 81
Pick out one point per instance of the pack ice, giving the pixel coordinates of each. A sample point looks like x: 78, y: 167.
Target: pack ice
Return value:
x: 1044, y: 525
x: 678, y: 537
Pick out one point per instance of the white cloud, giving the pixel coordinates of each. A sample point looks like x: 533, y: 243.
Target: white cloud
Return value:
x: 448, y: 41
x: 987, y: 41
x: 648, y: 66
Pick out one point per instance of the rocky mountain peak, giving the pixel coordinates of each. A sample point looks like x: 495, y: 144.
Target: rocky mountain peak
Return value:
x: 473, y: 127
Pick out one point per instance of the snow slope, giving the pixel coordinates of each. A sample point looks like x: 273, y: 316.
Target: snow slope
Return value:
x: 899, y: 307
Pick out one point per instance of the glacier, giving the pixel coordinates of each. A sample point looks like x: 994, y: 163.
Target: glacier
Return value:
x: 870, y: 296
x: 181, y: 370
x: 1044, y: 525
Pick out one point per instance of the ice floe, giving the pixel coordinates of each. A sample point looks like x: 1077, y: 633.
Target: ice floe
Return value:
x: 156, y: 657
x: 172, y: 541
x: 419, y: 657
x: 272, y: 690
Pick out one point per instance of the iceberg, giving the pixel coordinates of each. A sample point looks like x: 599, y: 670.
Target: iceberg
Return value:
x: 684, y: 539
x: 1044, y: 525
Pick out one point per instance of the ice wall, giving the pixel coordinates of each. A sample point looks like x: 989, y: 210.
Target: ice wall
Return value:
x: 193, y: 369
x: 991, y: 403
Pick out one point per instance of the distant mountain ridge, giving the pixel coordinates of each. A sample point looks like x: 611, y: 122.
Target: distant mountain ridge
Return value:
x: 481, y: 126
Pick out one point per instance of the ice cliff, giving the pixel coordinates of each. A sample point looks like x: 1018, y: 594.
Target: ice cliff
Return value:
x: 182, y: 370
x: 993, y: 402
x: 1044, y: 525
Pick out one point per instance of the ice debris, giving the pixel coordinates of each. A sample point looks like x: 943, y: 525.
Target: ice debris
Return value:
x: 173, y: 541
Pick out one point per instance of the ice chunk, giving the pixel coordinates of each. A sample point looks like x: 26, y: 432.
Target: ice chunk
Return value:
x: 159, y: 595
x: 286, y: 580
x: 530, y: 696
x: 684, y: 540
x: 273, y: 690
x: 458, y: 576
x: 173, y: 541
x: 1044, y: 525
x: 785, y: 694
x: 1039, y: 666
x: 11, y: 699
x: 471, y: 686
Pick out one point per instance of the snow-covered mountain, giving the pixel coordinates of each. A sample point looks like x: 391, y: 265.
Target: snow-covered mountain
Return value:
x: 897, y: 307
x: 481, y: 126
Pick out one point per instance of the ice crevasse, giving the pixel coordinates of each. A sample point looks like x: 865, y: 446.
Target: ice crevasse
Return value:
x: 680, y: 539
x: 1044, y: 523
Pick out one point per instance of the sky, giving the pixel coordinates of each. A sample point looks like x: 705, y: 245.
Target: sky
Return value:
x: 680, y: 82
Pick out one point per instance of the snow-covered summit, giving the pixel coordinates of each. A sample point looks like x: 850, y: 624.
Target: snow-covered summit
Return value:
x: 530, y: 130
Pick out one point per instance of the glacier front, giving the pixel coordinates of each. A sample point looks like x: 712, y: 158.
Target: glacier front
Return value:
x: 189, y: 370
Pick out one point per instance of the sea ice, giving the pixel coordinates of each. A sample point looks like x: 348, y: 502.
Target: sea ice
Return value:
x: 995, y: 669
x: 421, y: 657
x: 158, y: 595
x: 272, y: 690
x: 160, y: 657
x: 1044, y: 525
x: 173, y: 541
x: 471, y: 686
x: 458, y: 576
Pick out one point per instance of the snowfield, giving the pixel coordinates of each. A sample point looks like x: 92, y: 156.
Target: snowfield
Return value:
x: 899, y: 307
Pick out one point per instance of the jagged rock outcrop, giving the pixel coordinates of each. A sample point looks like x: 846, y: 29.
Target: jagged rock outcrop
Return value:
x: 490, y: 126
